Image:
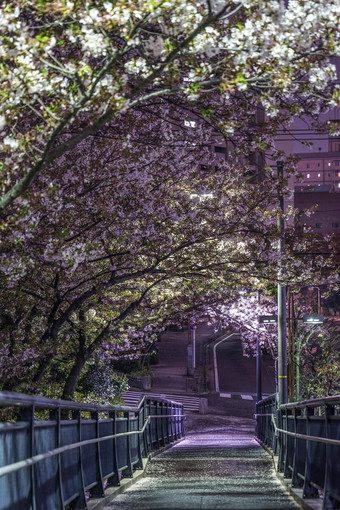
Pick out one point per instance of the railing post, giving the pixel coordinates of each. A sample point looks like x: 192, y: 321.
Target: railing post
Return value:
x: 157, y: 424
x: 145, y: 432
x: 139, y: 464
x: 296, y: 480
x: 80, y: 502
x: 257, y: 424
x: 113, y: 481
x: 128, y: 471
x: 175, y: 421
x: 162, y: 408
x: 289, y: 446
x: 27, y: 415
x: 167, y: 422
x: 149, y: 426
x: 172, y: 422
x: 98, y: 490
x: 308, y: 490
x: 182, y: 421
x: 281, y: 439
x: 55, y: 415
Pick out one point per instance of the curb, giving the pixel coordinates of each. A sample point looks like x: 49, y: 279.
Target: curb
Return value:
x: 112, y: 492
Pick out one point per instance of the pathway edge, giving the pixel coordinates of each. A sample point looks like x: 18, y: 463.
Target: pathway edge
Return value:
x: 296, y: 494
x: 112, y: 492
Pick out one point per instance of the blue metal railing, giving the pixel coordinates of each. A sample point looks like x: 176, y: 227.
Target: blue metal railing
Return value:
x: 306, y: 437
x: 74, y: 451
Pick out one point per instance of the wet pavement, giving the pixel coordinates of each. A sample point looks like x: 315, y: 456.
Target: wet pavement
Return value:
x: 219, y: 465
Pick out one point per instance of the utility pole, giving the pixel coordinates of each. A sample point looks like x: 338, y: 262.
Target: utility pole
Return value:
x: 258, y: 363
x: 281, y: 302
x: 291, y: 347
x: 191, y: 348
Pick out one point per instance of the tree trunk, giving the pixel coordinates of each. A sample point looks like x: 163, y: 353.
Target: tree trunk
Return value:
x: 73, y: 377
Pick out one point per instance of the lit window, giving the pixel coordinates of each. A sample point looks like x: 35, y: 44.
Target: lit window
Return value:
x: 319, y: 175
x: 338, y: 174
x: 308, y: 176
x: 338, y: 184
x: 329, y: 164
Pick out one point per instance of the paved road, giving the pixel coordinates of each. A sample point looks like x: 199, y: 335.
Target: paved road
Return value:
x: 237, y: 374
x: 218, y: 465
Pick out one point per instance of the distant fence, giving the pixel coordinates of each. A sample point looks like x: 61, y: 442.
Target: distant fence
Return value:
x: 58, y: 454
x: 306, y: 437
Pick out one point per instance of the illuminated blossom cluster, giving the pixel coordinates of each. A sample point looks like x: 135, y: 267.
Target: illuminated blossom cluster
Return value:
x: 64, y: 59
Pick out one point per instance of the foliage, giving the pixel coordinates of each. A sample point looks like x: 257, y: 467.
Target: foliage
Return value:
x: 102, y: 385
x: 70, y: 68
x: 320, y: 361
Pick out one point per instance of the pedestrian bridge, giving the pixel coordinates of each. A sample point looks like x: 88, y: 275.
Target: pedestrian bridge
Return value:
x: 64, y: 455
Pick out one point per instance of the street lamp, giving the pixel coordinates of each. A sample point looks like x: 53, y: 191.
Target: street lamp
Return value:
x: 311, y: 288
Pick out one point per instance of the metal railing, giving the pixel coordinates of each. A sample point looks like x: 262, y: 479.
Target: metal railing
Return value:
x: 58, y: 454
x: 306, y: 437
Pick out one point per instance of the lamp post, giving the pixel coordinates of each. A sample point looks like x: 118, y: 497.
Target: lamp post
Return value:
x: 311, y: 288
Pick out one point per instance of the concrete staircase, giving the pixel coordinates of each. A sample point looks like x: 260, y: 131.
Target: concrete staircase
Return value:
x: 219, y: 465
x: 131, y: 398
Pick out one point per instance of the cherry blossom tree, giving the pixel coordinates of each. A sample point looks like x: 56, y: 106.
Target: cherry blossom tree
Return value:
x: 120, y: 230
x: 70, y: 68
x: 125, y: 235
x: 114, y: 240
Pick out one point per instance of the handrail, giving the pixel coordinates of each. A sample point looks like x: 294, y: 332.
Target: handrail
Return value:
x: 16, y: 466
x: 154, y: 422
x: 274, y: 396
x: 318, y: 402
x: 306, y: 442
x: 10, y: 399
x: 300, y: 436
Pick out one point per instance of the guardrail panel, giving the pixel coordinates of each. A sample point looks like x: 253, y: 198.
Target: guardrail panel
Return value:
x: 300, y: 453
x: 316, y: 455
x: 314, y: 436
x: 106, y: 448
x: 332, y: 488
x: 153, y: 428
x: 89, y: 453
x: 121, y: 426
x: 46, y: 471
x: 51, y: 464
x: 69, y: 460
x: 15, y: 488
x: 134, y: 441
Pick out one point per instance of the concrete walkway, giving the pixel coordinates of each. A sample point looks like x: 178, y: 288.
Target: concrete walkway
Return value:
x: 218, y: 465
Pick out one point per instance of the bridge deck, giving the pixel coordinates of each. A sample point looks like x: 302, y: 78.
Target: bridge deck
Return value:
x: 218, y: 465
